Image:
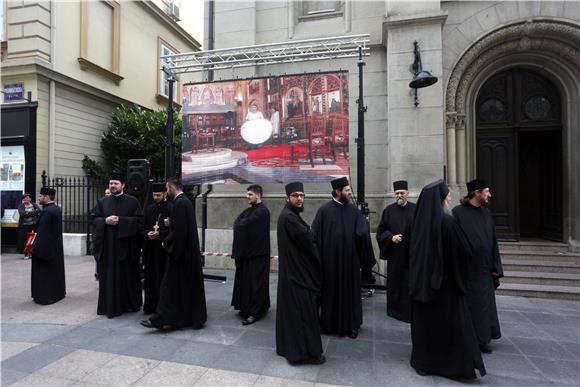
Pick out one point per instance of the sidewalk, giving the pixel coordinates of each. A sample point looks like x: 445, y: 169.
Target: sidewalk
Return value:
x: 68, y: 344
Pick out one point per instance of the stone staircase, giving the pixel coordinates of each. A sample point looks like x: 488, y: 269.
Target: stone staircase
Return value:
x: 540, y: 269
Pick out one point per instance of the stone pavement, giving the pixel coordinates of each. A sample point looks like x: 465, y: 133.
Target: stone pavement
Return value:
x: 68, y: 344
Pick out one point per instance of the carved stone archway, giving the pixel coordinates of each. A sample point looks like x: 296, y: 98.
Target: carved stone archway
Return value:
x: 547, y: 45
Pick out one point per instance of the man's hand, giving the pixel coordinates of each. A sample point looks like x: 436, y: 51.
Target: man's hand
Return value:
x: 397, y: 238
x: 153, y: 234
x: 112, y: 220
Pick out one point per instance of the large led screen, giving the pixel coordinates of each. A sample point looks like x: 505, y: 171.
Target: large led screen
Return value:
x: 266, y: 130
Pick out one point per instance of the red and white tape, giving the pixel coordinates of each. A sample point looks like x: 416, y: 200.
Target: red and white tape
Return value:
x: 209, y: 253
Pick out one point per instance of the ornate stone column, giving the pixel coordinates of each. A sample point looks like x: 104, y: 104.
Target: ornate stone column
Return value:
x: 461, y: 149
x: 450, y: 120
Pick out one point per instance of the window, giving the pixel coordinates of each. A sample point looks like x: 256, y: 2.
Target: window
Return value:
x: 100, y: 38
x: 163, y: 87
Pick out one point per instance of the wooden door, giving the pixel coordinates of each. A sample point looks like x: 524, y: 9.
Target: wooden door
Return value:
x: 519, y: 153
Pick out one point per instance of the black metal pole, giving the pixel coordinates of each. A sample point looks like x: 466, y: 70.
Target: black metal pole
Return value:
x: 360, y: 141
x: 170, y: 144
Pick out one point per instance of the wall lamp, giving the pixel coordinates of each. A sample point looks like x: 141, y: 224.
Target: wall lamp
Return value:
x: 421, y: 78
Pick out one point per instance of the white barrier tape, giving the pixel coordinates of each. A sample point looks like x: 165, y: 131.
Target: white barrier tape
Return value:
x: 206, y: 253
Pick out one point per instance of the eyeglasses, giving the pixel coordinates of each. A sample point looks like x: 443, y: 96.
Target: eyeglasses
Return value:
x: 297, y: 195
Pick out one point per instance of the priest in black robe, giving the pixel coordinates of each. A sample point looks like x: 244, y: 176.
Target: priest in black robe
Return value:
x: 485, y: 269
x: 251, y: 252
x: 443, y: 337
x: 344, y: 245
x: 297, y: 328
x: 182, y: 293
x: 154, y: 256
x: 117, y: 220
x: 393, y: 236
x: 47, y: 277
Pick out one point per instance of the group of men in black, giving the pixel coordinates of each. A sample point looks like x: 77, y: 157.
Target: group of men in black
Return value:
x: 443, y: 267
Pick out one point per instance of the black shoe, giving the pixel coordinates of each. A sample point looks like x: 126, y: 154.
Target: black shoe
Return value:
x: 421, y: 372
x: 353, y: 334
x: 150, y: 324
x: 250, y: 320
x: 485, y: 348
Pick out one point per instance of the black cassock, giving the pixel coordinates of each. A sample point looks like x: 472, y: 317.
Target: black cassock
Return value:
x: 153, y: 253
x: 182, y: 293
x: 116, y: 249
x: 344, y: 245
x: 397, y: 220
x: 479, y: 227
x: 444, y: 341
x: 47, y: 277
x: 297, y: 328
x: 251, y: 250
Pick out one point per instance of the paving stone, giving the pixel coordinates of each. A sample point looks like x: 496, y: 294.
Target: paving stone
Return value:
x: 10, y: 349
x: 279, y: 366
x: 36, y: 357
x: 217, y: 335
x: 243, y: 359
x: 265, y: 381
x: 551, y: 319
x: 352, y: 373
x: 402, y: 375
x: 10, y: 376
x: 77, y: 364
x: 539, y: 347
x: 347, y: 348
x: 151, y: 345
x: 389, y: 352
x: 226, y: 378
x: 573, y: 350
x: 32, y: 333
x: 257, y: 339
x: 113, y: 342
x: 559, y: 371
x: 172, y: 374
x: 511, y: 365
x: 120, y: 371
x: 77, y: 337
x: 37, y: 379
x: 400, y: 335
x: 196, y: 353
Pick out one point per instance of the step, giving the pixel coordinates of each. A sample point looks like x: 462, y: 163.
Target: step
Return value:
x: 534, y: 245
x: 571, y: 267
x: 540, y: 291
x: 540, y: 255
x: 541, y: 278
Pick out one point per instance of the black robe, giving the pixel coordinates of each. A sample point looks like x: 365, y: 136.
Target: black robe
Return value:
x: 47, y: 277
x: 251, y: 250
x: 343, y: 240
x: 444, y: 341
x: 182, y: 293
x: 479, y: 227
x: 297, y: 328
x: 397, y: 220
x: 116, y: 249
x: 153, y: 253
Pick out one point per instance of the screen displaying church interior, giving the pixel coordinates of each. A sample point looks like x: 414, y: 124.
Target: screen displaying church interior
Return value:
x: 266, y: 130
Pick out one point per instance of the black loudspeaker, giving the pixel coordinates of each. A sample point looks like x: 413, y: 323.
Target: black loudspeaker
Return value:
x: 137, y: 176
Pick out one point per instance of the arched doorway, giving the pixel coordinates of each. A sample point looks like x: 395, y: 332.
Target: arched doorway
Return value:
x: 519, y: 152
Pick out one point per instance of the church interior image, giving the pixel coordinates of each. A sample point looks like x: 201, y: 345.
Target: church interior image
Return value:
x: 262, y: 130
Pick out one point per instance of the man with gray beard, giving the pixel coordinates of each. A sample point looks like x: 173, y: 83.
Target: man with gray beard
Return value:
x: 393, y: 239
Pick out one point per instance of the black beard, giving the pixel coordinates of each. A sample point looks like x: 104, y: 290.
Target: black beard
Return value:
x: 344, y: 199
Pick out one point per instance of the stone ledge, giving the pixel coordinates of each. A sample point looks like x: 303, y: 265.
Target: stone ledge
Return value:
x: 74, y: 244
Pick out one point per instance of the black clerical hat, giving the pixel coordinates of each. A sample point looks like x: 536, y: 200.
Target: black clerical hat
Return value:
x: 476, y: 185
x: 158, y: 187
x: 294, y: 187
x: 118, y: 176
x: 400, y: 184
x: 339, y: 183
x: 47, y: 191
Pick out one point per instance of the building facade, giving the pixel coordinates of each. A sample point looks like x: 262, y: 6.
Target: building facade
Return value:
x: 66, y: 65
x: 506, y: 107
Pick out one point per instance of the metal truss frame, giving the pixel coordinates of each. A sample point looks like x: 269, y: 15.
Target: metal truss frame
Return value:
x: 267, y: 54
